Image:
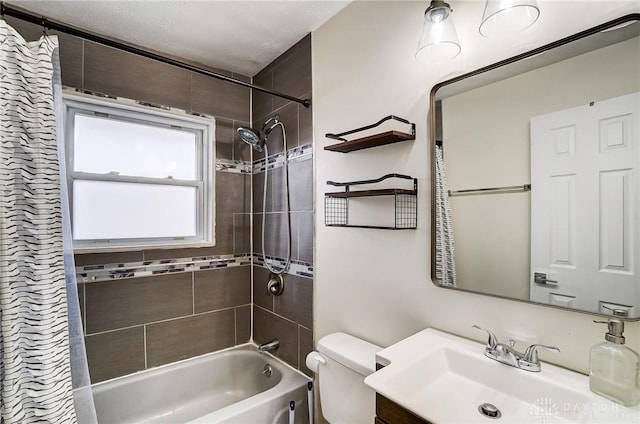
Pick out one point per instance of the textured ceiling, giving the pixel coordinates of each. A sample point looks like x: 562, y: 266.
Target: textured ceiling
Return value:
x: 238, y: 36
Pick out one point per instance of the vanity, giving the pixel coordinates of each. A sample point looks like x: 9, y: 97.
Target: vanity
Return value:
x: 389, y: 412
x: 433, y: 376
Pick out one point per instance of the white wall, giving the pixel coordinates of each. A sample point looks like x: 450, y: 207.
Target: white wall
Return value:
x: 376, y: 284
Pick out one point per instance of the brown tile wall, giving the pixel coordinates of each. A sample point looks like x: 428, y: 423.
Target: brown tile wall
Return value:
x: 143, y: 322
x: 133, y: 324
x: 288, y: 317
x: 138, y: 323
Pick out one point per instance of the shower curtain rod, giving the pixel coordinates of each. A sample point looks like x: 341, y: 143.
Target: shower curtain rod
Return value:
x: 57, y: 26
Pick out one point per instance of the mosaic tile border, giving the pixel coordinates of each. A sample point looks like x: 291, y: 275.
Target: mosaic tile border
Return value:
x: 118, y: 271
x: 234, y: 166
x: 108, y: 272
x: 299, y: 268
x: 300, y: 153
x: 132, y: 102
x: 275, y: 161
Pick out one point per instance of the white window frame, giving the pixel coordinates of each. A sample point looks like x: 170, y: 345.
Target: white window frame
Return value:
x: 130, y: 111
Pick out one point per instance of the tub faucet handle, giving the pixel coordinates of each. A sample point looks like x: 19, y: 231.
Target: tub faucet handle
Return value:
x: 267, y: 370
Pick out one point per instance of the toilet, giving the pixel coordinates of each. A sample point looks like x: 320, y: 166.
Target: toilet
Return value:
x: 342, y: 362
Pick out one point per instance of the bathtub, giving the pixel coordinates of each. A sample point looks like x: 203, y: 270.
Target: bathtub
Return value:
x: 229, y: 386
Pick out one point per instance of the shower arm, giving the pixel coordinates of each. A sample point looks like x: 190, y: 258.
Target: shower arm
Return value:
x: 264, y: 131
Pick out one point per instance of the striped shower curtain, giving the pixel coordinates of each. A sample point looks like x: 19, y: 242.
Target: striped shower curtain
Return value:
x: 35, y: 367
x: 445, y: 252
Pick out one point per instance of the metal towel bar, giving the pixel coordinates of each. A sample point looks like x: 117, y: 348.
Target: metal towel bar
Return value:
x: 489, y: 190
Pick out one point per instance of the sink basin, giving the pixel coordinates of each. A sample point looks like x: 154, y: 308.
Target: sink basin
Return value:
x: 444, y: 378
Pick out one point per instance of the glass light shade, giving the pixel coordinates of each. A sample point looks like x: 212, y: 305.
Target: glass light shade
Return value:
x: 439, y: 40
x: 505, y: 17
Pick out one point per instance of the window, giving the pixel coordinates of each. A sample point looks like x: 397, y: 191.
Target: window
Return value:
x: 138, y: 176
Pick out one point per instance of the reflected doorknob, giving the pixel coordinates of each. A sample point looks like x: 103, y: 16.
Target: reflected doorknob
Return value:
x: 541, y: 278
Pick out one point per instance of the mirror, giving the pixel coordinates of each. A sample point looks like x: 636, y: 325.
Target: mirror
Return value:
x: 537, y: 195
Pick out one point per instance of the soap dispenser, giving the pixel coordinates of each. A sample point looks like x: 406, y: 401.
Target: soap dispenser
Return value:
x: 614, y: 368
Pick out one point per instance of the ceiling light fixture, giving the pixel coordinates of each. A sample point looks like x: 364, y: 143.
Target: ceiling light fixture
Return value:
x: 505, y: 17
x: 439, y: 40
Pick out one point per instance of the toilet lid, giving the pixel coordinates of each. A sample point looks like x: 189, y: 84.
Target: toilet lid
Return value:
x: 350, y: 351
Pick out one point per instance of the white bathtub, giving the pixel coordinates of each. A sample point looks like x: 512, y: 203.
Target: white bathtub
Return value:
x: 220, y: 387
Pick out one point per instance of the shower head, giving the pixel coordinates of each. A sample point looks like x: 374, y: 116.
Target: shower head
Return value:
x: 250, y: 137
x: 257, y: 139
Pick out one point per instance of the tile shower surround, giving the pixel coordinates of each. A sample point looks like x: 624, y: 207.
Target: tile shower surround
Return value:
x: 136, y: 323
x: 287, y: 317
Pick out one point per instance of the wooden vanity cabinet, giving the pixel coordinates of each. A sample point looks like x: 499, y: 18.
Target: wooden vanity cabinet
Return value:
x: 389, y: 412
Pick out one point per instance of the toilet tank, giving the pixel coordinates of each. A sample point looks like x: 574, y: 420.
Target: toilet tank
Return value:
x: 344, y: 396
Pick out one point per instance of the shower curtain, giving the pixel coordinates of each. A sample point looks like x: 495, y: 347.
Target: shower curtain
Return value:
x: 40, y: 328
x: 445, y: 252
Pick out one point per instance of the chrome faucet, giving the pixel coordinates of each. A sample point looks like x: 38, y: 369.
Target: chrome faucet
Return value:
x: 508, y: 355
x: 269, y: 346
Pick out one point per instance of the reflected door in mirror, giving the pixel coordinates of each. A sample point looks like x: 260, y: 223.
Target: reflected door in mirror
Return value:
x: 585, y: 165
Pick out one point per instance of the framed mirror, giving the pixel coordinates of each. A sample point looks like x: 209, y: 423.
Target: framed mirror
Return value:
x: 536, y: 175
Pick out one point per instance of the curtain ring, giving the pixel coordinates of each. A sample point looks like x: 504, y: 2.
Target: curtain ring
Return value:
x: 44, y: 26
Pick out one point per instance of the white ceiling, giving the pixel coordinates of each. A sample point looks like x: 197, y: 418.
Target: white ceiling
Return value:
x: 239, y: 36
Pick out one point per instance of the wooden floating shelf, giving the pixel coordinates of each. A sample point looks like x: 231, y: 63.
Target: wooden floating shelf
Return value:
x: 405, y: 210
x: 370, y: 193
x: 388, y: 137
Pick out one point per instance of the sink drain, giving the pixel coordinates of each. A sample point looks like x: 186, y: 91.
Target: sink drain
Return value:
x: 489, y: 410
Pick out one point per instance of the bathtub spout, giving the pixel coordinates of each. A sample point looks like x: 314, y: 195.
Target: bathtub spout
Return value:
x: 269, y: 346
